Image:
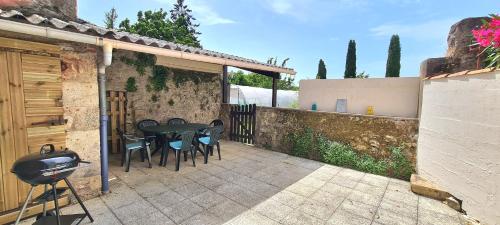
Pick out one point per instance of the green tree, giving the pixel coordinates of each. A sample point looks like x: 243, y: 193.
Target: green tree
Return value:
x: 110, y: 18
x: 258, y: 80
x: 363, y: 75
x: 156, y: 24
x: 321, y: 70
x: 393, y: 66
x: 350, y: 62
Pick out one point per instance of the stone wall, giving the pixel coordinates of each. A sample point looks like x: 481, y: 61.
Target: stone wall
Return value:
x: 193, y: 102
x: 372, y: 135
x: 81, y: 110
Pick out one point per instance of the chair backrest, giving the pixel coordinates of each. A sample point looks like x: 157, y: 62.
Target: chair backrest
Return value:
x: 121, y: 134
x: 215, y: 134
x: 216, y: 122
x: 187, y: 140
x: 147, y: 123
x: 175, y: 121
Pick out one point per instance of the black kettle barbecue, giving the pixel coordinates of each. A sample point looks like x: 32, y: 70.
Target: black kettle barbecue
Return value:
x: 47, y: 168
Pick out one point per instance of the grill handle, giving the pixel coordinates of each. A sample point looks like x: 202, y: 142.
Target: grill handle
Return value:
x: 43, y: 149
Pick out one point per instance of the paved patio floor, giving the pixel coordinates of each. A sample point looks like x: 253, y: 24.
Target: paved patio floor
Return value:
x: 255, y: 186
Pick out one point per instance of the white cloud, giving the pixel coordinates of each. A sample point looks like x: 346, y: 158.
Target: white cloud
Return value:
x: 428, y: 30
x: 202, y: 11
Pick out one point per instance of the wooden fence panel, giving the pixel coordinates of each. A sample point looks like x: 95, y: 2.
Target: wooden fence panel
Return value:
x: 117, y: 101
x: 242, y: 123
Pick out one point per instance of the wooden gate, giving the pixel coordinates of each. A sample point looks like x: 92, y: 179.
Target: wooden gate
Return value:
x: 242, y: 123
x: 117, y: 101
x: 31, y: 114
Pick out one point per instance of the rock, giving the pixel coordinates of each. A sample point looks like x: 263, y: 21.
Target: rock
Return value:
x: 421, y: 186
x: 375, y: 144
x: 390, y: 139
x: 454, y: 203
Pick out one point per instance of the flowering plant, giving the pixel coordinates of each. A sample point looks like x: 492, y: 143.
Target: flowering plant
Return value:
x: 488, y: 37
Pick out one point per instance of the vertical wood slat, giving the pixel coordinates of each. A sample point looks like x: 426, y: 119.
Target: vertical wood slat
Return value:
x: 245, y: 109
x: 7, y: 153
x: 254, y: 122
x: 121, y: 118
x: 112, y: 107
x: 18, y: 115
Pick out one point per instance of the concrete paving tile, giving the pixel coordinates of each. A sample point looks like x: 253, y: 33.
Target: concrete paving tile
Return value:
x: 211, y: 182
x: 366, y: 198
x: 227, y: 210
x: 301, y: 189
x: 336, y: 189
x: 204, y: 218
x: 312, y: 182
x: 273, y: 209
x: 370, y: 189
x: 375, y: 180
x: 197, y: 175
x: 388, y: 217
x: 120, y: 195
x: 341, y: 217
x: 190, y: 190
x: 289, y: 198
x: 166, y: 199
x: 318, y: 209
x: 251, y: 218
x: 359, y: 209
x: 399, y: 207
x: 344, y: 181
x: 214, y: 169
x: 229, y: 176
x: 435, y: 206
x: 328, y: 198
x: 351, y: 174
x: 208, y: 199
x: 152, y: 218
x: 150, y: 188
x: 131, y: 212
x: 182, y: 211
x: 399, y: 186
x: 397, y: 196
x: 257, y: 186
x: 299, y: 217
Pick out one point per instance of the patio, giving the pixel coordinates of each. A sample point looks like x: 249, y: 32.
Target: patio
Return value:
x: 255, y: 186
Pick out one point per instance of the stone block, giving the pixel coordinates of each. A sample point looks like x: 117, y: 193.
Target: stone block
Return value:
x: 422, y: 186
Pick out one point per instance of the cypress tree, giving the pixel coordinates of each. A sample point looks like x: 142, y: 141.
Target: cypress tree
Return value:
x: 350, y: 62
x: 321, y: 70
x: 393, y: 58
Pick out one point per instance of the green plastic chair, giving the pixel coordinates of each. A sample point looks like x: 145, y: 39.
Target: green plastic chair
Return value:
x: 184, y: 145
x: 132, y: 144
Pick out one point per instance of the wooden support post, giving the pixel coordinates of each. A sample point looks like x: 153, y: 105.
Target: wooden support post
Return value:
x: 275, y: 91
x: 225, y: 86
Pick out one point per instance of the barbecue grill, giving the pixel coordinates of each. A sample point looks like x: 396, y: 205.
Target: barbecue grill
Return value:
x: 48, y: 168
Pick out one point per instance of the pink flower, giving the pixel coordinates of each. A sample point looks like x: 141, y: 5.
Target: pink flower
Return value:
x: 495, y: 22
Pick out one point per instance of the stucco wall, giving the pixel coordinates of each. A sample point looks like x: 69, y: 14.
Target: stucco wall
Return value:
x: 372, y: 135
x: 193, y: 102
x: 388, y: 96
x: 459, y: 141
x: 81, y: 110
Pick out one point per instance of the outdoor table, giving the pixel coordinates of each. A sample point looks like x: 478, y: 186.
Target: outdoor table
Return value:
x: 165, y: 129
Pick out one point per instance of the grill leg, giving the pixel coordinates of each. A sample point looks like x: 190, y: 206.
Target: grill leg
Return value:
x: 56, y: 204
x: 28, y: 198
x: 44, y: 212
x: 78, y: 199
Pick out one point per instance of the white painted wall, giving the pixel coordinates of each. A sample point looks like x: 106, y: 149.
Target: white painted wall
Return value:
x: 389, y: 96
x: 459, y: 141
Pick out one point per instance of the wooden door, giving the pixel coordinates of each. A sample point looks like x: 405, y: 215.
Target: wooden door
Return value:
x: 31, y: 113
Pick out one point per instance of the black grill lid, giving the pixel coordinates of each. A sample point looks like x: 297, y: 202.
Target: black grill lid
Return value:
x: 46, y: 167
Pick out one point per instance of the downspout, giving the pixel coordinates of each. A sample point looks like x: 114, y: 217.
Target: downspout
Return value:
x: 103, y: 121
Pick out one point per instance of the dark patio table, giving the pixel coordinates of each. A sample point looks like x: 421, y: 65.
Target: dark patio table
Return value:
x: 164, y: 129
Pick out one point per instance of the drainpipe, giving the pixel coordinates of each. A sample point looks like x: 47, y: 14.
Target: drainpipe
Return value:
x: 103, y: 128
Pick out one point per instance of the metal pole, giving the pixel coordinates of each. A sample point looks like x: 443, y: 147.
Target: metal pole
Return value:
x: 103, y: 129
x: 225, y: 86
x: 275, y: 91
x: 28, y: 198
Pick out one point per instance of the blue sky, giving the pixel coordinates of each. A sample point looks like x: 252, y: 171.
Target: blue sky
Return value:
x: 307, y: 30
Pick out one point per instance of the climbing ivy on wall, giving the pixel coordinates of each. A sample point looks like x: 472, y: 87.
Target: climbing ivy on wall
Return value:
x: 159, y: 77
x: 131, y: 85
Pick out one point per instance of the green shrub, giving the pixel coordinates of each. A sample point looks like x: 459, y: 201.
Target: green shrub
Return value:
x: 303, y: 143
x: 400, y: 166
